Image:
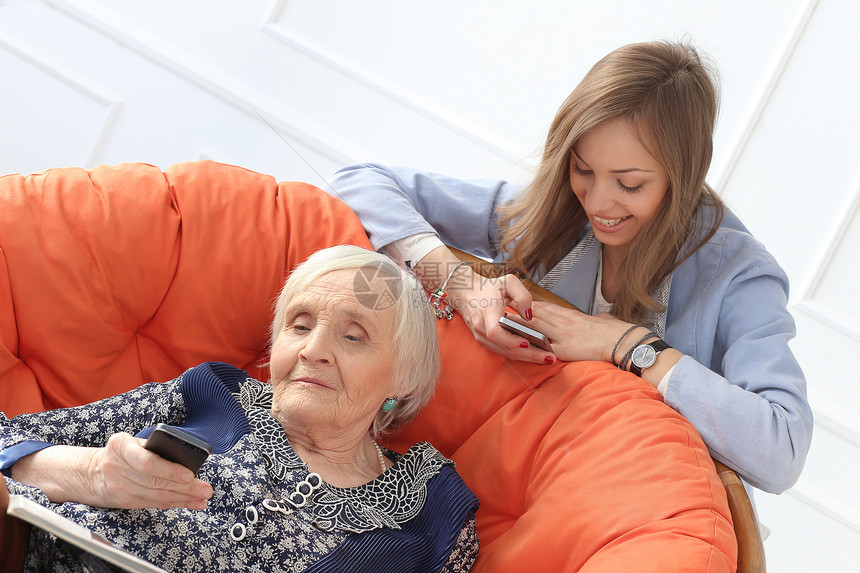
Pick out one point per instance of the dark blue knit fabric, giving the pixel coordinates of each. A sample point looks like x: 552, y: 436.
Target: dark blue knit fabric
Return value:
x: 213, y: 414
x: 421, y: 544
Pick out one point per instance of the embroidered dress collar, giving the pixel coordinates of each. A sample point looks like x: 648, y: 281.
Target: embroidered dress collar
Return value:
x: 392, y: 498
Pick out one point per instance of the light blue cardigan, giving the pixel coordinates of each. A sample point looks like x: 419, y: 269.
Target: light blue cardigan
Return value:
x: 738, y: 382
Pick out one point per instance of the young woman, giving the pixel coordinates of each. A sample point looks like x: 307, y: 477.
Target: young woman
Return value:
x: 619, y: 222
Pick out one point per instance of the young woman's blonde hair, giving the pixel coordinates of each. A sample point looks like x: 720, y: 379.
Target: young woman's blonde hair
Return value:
x: 669, y: 96
x: 416, y: 363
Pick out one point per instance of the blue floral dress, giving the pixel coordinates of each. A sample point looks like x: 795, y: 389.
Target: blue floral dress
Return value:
x: 417, y: 516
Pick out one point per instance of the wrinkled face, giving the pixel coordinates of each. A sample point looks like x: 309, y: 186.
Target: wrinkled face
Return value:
x: 331, y: 364
x: 619, y: 183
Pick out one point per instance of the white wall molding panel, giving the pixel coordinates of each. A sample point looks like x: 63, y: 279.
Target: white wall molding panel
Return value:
x: 206, y: 76
x: 53, y: 102
x: 278, y: 26
x: 762, y: 97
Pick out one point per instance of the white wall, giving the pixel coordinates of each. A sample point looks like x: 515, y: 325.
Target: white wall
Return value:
x: 469, y: 88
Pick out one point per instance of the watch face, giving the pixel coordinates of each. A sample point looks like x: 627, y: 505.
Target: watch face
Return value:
x: 644, y: 356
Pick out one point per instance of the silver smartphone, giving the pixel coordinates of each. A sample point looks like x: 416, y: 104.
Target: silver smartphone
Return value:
x: 178, y: 446
x: 535, y: 338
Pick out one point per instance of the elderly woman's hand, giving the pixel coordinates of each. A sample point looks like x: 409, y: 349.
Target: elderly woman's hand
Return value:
x: 123, y: 474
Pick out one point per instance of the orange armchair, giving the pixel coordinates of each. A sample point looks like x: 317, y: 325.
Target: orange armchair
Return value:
x: 125, y: 274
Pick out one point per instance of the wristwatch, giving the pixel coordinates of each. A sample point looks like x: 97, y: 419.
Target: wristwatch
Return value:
x: 645, y: 355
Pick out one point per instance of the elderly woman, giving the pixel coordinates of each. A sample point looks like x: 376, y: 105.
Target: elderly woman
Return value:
x: 296, y: 480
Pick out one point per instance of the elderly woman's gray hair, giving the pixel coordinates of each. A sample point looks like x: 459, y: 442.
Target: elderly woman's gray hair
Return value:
x: 416, y: 363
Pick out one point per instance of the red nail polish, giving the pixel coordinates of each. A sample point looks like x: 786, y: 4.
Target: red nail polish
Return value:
x: 524, y: 344
x: 528, y: 314
x: 549, y: 360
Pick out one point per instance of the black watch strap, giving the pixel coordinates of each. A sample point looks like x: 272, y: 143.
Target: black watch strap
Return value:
x: 658, y: 345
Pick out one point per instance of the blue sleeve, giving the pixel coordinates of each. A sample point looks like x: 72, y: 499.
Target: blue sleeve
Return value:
x: 92, y: 424
x: 395, y: 202
x: 749, y: 403
x: 12, y: 454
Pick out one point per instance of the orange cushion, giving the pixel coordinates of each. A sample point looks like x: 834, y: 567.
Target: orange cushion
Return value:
x: 122, y: 275
x: 578, y: 466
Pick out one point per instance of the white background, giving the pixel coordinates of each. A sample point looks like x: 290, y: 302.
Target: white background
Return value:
x: 297, y: 88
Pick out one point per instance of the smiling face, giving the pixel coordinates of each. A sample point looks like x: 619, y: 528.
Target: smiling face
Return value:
x: 331, y: 364
x: 618, y: 182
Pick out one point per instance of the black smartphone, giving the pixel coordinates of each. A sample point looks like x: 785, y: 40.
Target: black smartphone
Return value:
x: 178, y: 446
x: 534, y: 337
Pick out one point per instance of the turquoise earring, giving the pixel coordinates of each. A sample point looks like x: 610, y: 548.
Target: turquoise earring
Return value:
x: 389, y: 404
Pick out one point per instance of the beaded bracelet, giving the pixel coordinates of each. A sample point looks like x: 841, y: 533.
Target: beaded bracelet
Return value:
x: 437, y: 297
x: 617, y: 344
x: 623, y: 364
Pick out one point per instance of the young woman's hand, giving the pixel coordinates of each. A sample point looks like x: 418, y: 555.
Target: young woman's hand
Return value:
x: 575, y: 335
x: 481, y: 308
x: 123, y: 474
x: 481, y: 301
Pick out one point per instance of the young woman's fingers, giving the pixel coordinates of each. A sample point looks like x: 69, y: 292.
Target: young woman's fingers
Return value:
x: 518, y: 296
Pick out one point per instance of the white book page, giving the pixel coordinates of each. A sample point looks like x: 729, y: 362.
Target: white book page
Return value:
x: 24, y: 508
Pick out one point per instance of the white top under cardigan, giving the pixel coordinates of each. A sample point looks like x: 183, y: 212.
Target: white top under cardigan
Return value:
x: 738, y: 382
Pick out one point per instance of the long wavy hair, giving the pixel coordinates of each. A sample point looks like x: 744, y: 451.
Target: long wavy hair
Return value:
x: 669, y: 96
